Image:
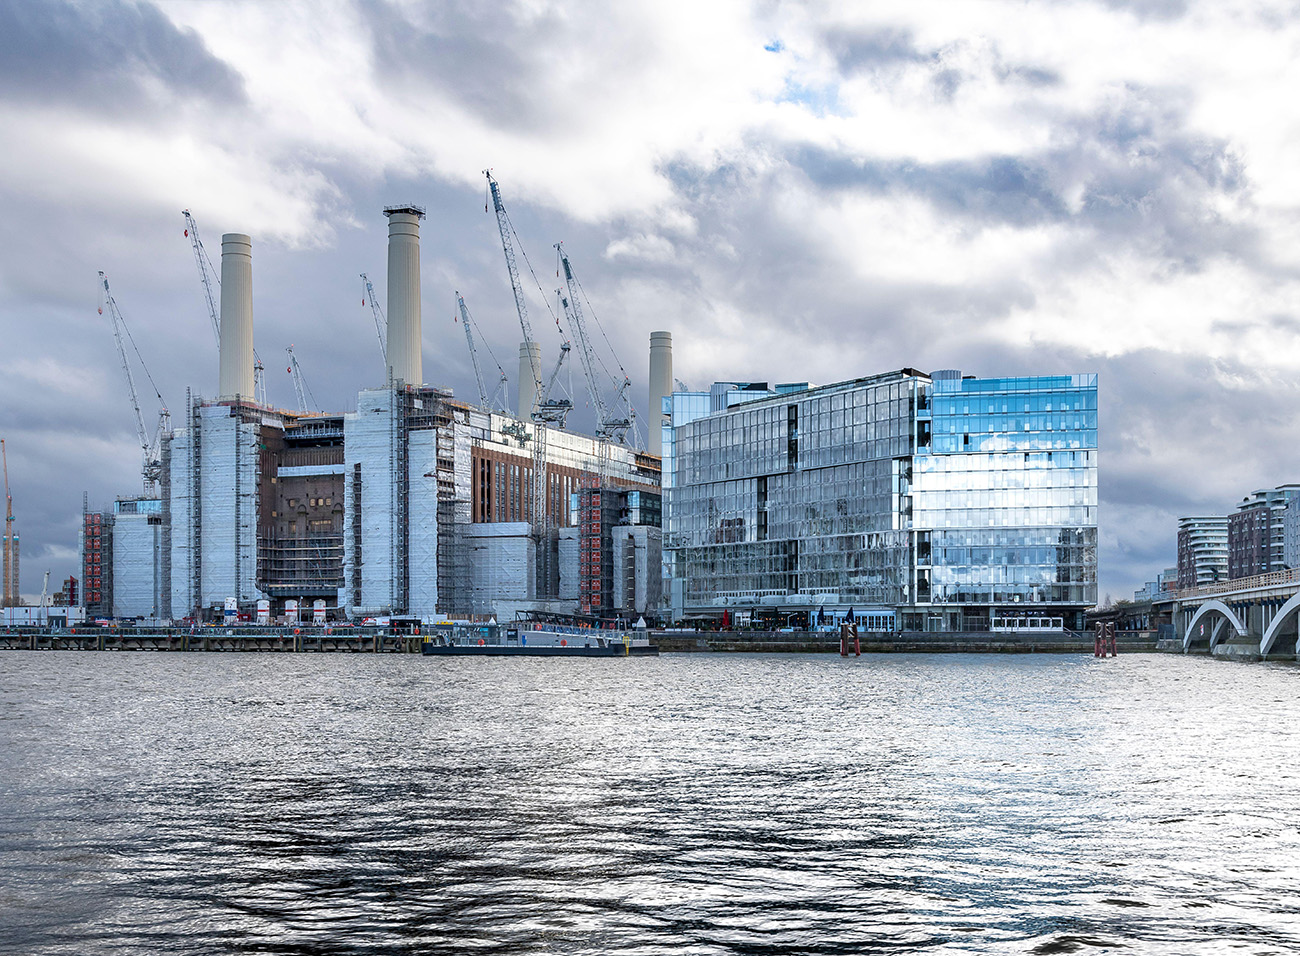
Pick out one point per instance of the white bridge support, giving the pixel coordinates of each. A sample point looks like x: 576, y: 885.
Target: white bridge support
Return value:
x: 1284, y: 618
x: 1217, y: 614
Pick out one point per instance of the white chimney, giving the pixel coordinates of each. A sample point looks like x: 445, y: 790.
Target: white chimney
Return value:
x: 530, y: 372
x: 661, y: 384
x: 235, y: 379
x: 404, y: 331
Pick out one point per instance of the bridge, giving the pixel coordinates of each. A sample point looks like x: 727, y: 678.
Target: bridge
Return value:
x: 1256, y: 618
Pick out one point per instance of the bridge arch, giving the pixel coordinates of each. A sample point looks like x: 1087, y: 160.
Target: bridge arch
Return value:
x: 1274, y: 629
x: 1209, y: 609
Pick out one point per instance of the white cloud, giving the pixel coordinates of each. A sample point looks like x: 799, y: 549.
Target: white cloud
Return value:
x: 841, y: 188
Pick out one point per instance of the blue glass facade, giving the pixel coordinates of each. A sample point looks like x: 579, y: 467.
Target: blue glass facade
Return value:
x: 953, y: 501
x: 1004, y: 498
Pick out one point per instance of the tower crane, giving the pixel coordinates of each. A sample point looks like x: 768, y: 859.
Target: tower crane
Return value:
x: 557, y: 409
x: 546, y: 408
x: 207, y: 275
x: 150, y: 448
x: 299, y: 386
x: 10, y: 559
x: 611, y: 426
x: 499, y: 398
x: 380, y: 321
x: 505, y: 228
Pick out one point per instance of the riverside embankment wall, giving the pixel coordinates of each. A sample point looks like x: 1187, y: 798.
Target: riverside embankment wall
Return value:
x: 821, y: 642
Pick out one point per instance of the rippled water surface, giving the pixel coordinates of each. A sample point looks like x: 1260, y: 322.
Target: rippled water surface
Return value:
x: 200, y: 803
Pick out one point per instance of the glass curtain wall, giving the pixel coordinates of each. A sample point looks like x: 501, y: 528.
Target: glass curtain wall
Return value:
x: 1005, y: 497
x: 801, y: 494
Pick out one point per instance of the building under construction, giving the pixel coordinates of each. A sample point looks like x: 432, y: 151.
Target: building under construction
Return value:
x: 415, y: 504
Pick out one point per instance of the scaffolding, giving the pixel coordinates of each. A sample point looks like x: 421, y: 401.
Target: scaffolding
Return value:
x: 97, y: 580
x: 300, y: 566
x: 135, y: 558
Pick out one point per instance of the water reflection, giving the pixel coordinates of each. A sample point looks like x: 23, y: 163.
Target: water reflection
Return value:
x: 691, y: 804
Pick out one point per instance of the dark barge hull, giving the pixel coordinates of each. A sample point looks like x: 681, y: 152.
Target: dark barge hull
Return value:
x: 525, y: 650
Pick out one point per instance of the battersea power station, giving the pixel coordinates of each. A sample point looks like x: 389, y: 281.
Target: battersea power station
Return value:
x: 415, y: 504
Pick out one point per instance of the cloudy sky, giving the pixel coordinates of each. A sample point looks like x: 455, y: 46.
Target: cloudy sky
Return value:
x: 797, y: 191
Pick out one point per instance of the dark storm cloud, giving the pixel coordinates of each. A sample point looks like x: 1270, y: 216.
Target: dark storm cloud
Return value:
x: 1287, y: 326
x: 778, y: 275
x: 1146, y: 179
x: 1150, y: 9
x: 861, y: 50
x: 1007, y: 189
x: 858, y: 52
x: 106, y: 55
x: 493, y: 64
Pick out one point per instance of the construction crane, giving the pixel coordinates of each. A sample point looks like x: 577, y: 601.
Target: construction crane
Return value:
x: 380, y: 321
x: 546, y: 408
x: 504, y: 226
x: 10, y: 559
x: 611, y: 426
x: 500, y: 399
x: 555, y: 410
x: 150, y: 448
x: 207, y: 274
x: 299, y: 386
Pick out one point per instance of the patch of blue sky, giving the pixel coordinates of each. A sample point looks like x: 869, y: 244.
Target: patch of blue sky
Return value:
x: 819, y: 100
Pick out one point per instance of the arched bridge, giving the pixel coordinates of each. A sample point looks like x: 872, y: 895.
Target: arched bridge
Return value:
x: 1256, y: 617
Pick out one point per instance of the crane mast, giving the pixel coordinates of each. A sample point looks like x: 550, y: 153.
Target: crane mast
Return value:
x: 299, y: 386
x: 503, y: 225
x: 555, y: 410
x: 10, y: 564
x: 201, y: 260
x: 207, y: 275
x: 607, y: 426
x: 150, y: 448
x: 380, y: 321
x: 484, y: 401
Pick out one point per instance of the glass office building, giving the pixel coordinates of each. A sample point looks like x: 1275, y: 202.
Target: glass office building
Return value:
x: 930, y: 501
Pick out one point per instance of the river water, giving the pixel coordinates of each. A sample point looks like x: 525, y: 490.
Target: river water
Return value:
x: 711, y: 804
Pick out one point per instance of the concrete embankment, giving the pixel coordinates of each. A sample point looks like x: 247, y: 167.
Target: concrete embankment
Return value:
x: 909, y: 642
x: 290, y: 640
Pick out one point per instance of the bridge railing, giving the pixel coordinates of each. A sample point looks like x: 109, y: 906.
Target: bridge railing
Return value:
x: 1272, y: 579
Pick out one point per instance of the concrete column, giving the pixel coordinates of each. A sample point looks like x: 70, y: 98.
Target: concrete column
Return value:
x: 404, y: 328
x: 236, y: 362
x: 661, y: 384
x: 530, y: 371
